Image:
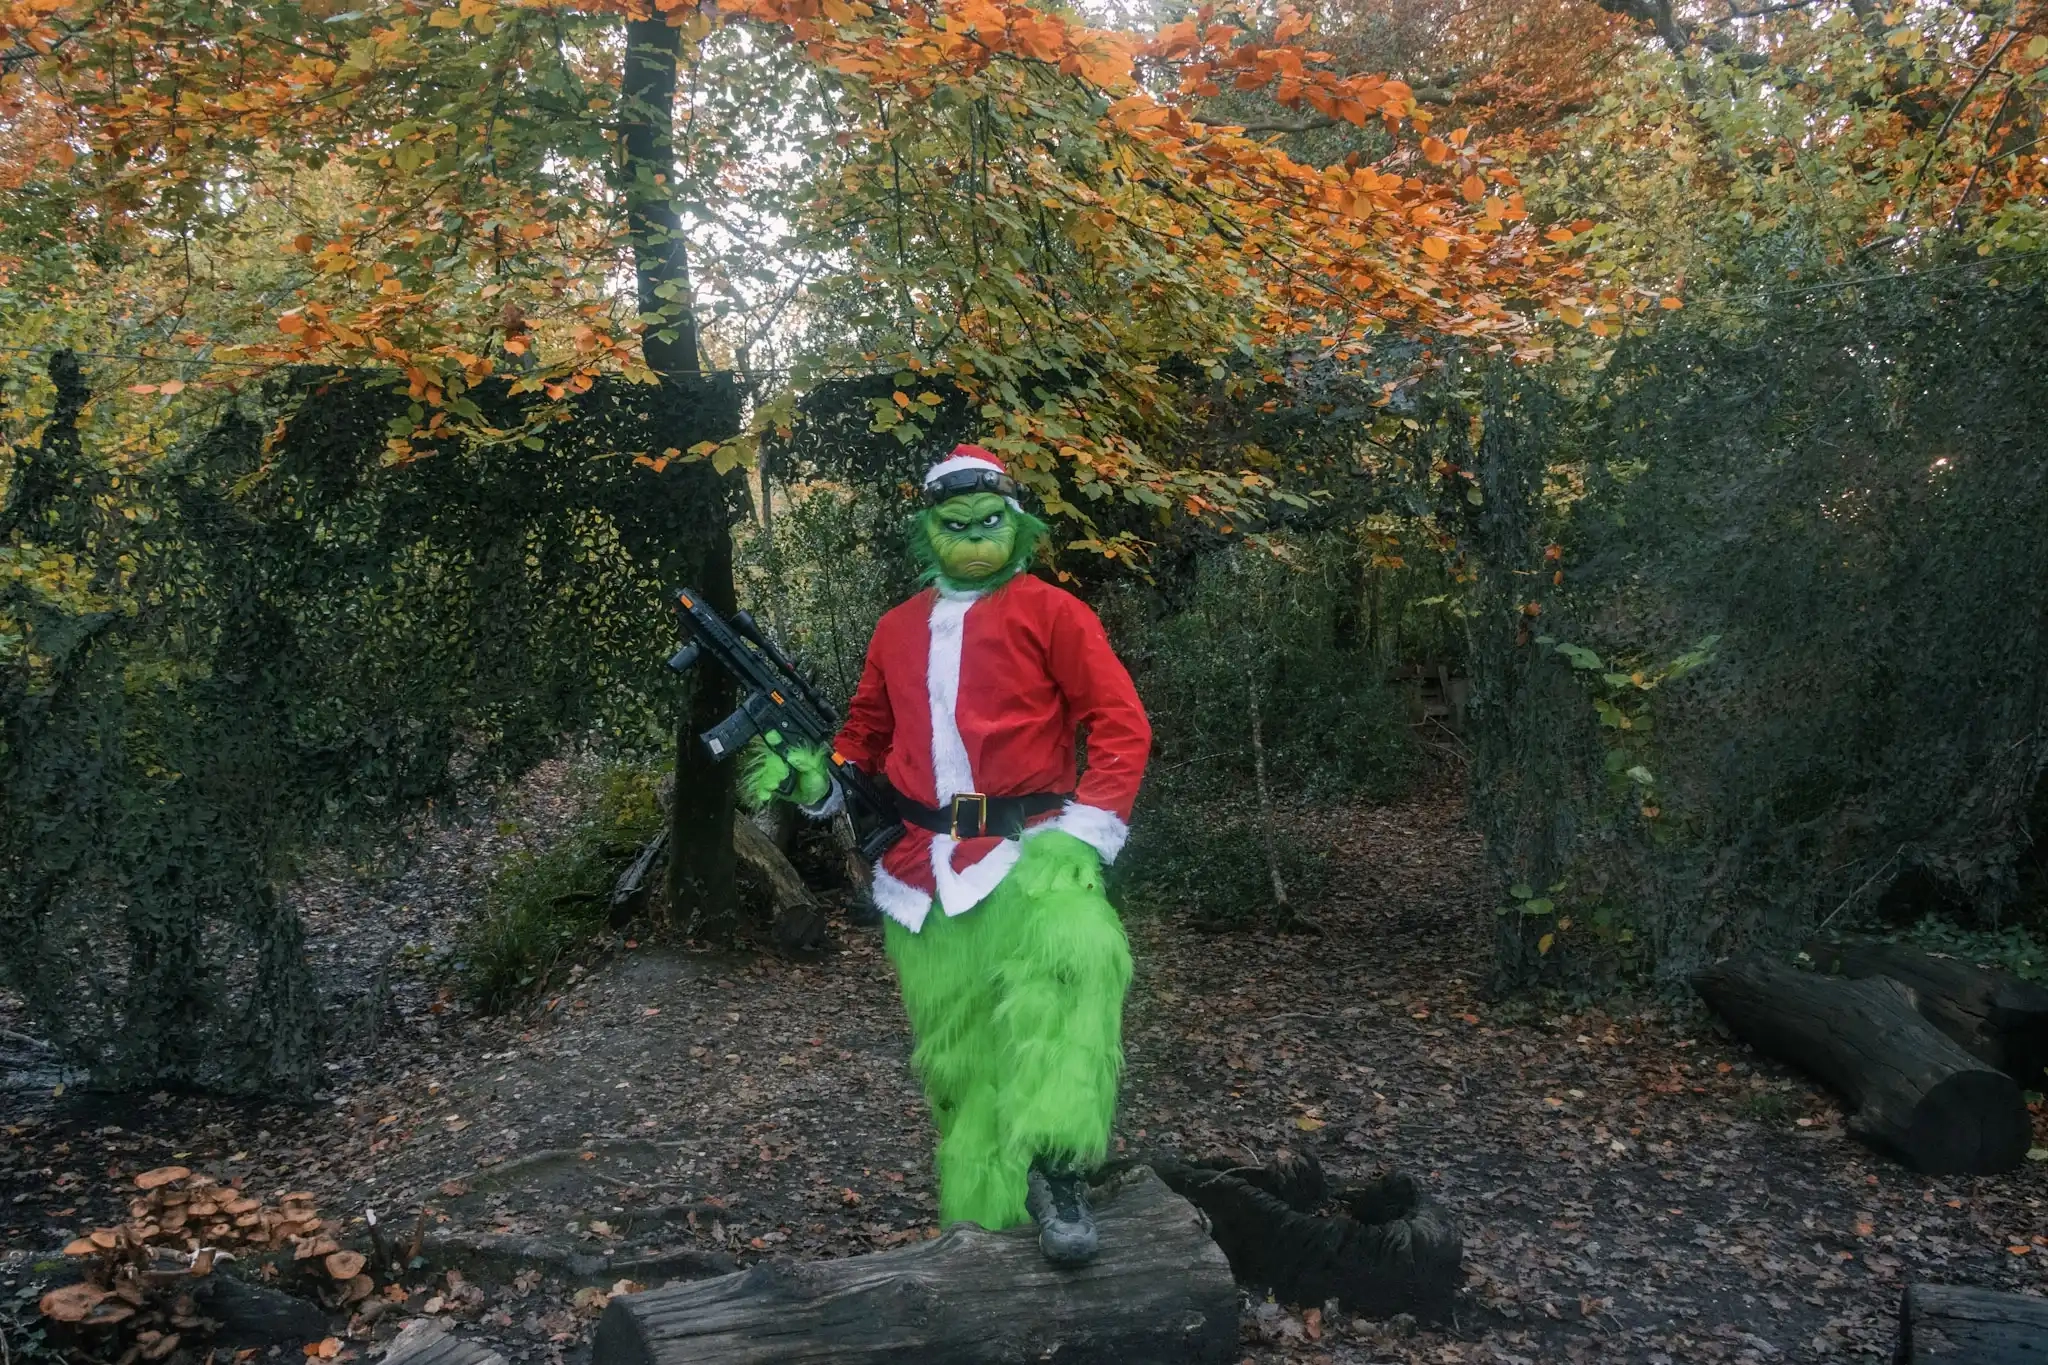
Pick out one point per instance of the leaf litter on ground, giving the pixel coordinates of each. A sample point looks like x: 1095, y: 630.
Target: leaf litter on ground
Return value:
x: 1631, y: 1185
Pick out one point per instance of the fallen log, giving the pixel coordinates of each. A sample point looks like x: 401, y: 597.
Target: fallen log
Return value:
x: 1913, y: 1092
x: 428, y: 1341
x: 1942, y: 1324
x: 1994, y: 1016
x: 1378, y: 1249
x: 1160, y: 1294
x: 799, y: 923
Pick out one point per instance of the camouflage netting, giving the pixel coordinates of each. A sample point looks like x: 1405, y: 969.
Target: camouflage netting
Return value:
x: 1831, y: 516
x: 294, y: 643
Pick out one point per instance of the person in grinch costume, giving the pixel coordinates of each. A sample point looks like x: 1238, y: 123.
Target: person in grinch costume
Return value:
x: 1012, y: 962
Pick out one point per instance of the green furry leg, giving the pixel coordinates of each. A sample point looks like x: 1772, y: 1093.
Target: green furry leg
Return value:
x: 950, y: 997
x: 1017, y: 1011
x: 1063, y: 970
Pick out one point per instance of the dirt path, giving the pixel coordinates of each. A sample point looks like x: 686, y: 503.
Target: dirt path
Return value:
x: 1631, y: 1189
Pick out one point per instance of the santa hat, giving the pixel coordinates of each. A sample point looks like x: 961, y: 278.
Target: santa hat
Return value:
x: 968, y: 469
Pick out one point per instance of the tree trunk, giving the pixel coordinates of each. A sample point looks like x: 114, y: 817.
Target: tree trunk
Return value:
x: 1996, y: 1017
x: 1160, y: 1294
x: 700, y: 882
x: 799, y: 923
x: 1943, y: 1324
x: 661, y: 261
x: 703, y: 894
x: 1281, y: 909
x: 1913, y: 1092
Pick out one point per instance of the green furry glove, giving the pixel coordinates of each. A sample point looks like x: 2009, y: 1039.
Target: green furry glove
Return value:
x: 805, y: 777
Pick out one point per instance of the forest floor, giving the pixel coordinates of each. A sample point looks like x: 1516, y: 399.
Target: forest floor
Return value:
x: 1631, y: 1185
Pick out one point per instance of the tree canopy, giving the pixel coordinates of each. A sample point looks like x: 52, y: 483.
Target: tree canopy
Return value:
x: 1041, y: 211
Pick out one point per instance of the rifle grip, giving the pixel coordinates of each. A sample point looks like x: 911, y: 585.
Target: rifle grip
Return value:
x: 730, y: 735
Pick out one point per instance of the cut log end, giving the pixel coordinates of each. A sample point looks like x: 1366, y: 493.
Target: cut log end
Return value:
x: 1973, y: 1121
x: 1160, y: 1294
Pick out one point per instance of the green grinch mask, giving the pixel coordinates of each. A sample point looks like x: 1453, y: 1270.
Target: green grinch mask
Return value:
x: 975, y: 541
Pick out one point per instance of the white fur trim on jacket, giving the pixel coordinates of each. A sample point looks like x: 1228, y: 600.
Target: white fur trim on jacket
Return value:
x: 951, y: 771
x: 900, y: 901
x: 960, y: 892
x: 1100, y: 829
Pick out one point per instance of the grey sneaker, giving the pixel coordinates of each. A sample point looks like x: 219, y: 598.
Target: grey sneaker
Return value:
x: 1058, y: 1202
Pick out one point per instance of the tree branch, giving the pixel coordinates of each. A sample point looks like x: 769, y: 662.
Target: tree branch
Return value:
x: 1426, y: 95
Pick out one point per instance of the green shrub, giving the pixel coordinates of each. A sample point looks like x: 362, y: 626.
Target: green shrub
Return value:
x: 834, y: 563
x: 1207, y: 862
x: 1254, y: 634
x: 1260, y: 631
x: 544, y: 905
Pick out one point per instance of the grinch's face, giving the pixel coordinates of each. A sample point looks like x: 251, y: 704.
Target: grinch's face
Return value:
x: 973, y: 536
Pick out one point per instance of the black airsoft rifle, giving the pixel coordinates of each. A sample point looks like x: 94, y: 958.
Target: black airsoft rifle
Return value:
x: 779, y: 706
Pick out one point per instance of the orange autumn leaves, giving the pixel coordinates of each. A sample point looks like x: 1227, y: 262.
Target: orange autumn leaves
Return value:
x: 427, y: 247
x: 1433, y: 237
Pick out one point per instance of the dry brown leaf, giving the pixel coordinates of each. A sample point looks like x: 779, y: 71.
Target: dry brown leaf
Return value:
x: 162, y: 1175
x: 345, y: 1265
x: 72, y: 1302
x: 327, y: 1348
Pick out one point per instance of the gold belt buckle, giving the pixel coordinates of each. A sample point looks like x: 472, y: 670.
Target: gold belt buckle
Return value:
x: 981, y: 823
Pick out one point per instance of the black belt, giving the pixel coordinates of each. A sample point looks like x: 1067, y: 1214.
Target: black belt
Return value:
x: 970, y: 815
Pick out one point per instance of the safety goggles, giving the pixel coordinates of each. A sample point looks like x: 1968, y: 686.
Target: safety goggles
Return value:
x: 961, y: 482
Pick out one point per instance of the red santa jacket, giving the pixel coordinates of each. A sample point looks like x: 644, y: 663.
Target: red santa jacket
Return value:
x: 984, y: 692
